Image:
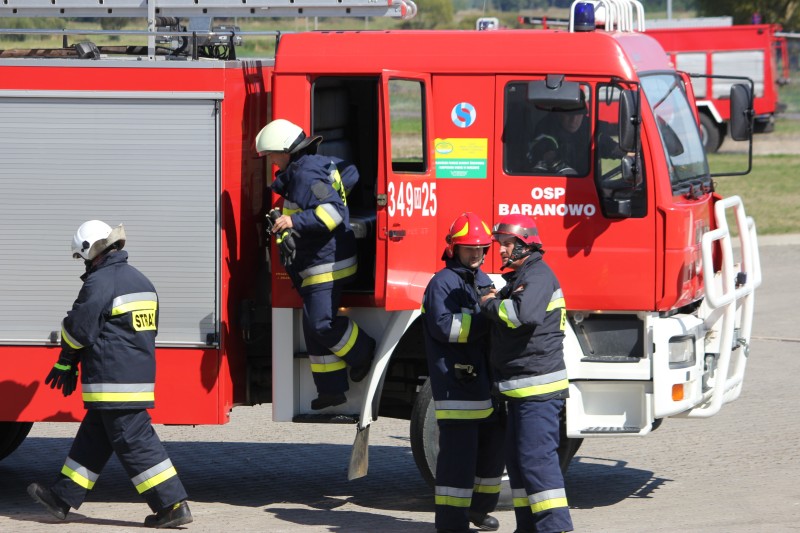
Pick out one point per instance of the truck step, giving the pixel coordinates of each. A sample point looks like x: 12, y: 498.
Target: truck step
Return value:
x: 610, y: 430
x: 325, y: 419
x: 610, y: 359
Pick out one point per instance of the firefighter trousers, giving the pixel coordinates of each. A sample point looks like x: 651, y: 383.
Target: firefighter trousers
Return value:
x: 469, y: 470
x: 129, y: 434
x: 332, y: 341
x: 537, y: 485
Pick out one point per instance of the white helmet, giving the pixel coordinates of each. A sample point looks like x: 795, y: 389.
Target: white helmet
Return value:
x: 94, y: 237
x: 280, y: 135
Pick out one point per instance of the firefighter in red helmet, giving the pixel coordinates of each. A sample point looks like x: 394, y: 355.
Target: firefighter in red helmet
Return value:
x: 469, y: 466
x: 528, y: 316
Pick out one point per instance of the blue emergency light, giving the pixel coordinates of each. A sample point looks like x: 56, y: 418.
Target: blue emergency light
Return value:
x: 583, y: 17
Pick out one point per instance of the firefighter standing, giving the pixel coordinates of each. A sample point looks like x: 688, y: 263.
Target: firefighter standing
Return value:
x: 110, y: 331
x: 469, y: 466
x: 318, y: 249
x: 528, y: 317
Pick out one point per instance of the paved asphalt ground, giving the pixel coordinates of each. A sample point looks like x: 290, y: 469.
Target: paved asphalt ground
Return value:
x: 737, y: 472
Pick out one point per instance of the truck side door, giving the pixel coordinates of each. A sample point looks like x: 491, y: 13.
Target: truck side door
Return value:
x: 407, y: 195
x: 602, y: 261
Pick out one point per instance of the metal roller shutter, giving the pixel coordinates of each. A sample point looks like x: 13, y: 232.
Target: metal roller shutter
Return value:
x: 151, y: 164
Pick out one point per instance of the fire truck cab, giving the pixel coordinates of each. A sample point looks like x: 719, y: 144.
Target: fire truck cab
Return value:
x: 437, y: 122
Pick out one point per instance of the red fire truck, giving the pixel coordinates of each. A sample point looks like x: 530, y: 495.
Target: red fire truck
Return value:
x: 754, y: 51
x: 160, y: 138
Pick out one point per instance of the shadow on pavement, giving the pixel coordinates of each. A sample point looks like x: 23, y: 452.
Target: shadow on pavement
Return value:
x: 596, y: 482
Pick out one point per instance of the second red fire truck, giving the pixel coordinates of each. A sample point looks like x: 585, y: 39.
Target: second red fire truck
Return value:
x: 160, y: 138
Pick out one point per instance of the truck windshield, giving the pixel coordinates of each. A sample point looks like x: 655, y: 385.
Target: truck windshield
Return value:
x: 680, y: 136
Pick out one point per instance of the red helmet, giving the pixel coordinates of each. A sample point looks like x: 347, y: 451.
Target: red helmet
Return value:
x: 520, y: 226
x: 468, y: 230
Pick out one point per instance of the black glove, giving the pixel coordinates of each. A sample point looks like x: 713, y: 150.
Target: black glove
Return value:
x: 285, y: 240
x: 286, y: 247
x: 64, y: 375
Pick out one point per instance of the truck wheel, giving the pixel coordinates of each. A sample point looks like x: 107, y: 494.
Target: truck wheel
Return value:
x: 424, y: 434
x: 11, y: 436
x: 710, y: 134
x: 425, y: 438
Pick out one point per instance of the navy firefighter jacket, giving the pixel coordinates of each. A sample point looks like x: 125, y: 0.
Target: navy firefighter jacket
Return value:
x: 528, y: 318
x: 112, y: 325
x: 456, y: 343
x: 315, y: 196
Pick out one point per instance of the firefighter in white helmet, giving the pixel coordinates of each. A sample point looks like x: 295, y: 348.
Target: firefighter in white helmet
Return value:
x: 318, y: 250
x: 110, y: 332
x: 469, y: 466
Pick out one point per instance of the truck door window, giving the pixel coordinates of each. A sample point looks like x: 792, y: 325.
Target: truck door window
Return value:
x: 407, y: 125
x: 539, y: 141
x: 621, y: 190
x: 680, y: 137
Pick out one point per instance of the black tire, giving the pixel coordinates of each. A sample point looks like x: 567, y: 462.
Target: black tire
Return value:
x: 11, y: 436
x: 425, y: 437
x: 710, y: 133
x: 424, y: 434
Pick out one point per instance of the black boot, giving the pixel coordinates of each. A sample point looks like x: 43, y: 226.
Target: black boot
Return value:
x: 483, y: 521
x: 327, y: 400
x: 54, y: 505
x: 173, y: 516
x: 357, y: 373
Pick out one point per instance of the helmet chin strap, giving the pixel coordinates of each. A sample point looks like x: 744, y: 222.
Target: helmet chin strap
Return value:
x: 517, y: 253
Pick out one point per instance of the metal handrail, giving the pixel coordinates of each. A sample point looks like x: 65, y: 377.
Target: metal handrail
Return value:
x: 736, y: 294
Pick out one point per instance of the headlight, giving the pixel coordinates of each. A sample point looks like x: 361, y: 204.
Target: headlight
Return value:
x: 681, y: 351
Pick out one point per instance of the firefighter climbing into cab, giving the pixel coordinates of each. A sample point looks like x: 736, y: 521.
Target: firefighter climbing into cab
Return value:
x: 318, y: 250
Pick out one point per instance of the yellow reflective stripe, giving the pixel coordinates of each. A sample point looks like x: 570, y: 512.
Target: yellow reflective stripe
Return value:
x: 555, y: 304
x: 77, y: 478
x: 329, y: 276
x: 535, y: 390
x: 141, y: 305
x: 508, y: 314
x: 321, y: 368
x: 119, y: 396
x: 521, y: 502
x: 466, y: 322
x: 341, y: 352
x: 487, y: 489
x: 155, y: 480
x: 289, y: 212
x: 453, y: 501
x: 325, y: 217
x: 72, y: 343
x: 463, y: 414
x: 552, y: 503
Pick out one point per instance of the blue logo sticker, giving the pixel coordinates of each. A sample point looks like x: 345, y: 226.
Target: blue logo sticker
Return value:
x: 463, y: 114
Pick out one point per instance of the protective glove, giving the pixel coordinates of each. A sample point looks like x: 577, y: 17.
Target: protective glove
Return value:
x: 284, y: 240
x: 64, y: 375
x: 286, y: 247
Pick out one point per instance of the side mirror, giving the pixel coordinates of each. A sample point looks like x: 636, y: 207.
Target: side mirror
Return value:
x: 628, y: 120
x: 556, y: 94
x: 741, y: 123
